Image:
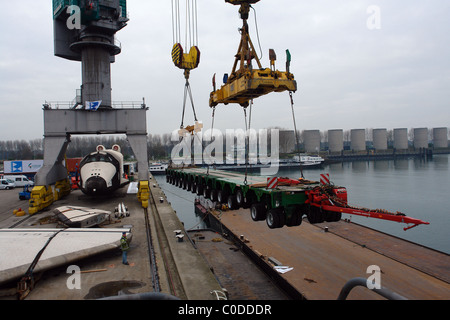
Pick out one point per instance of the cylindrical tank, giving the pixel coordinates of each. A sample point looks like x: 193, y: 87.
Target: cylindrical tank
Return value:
x: 380, y: 139
x: 312, y: 140
x: 358, y: 139
x: 420, y: 138
x: 401, y: 138
x: 335, y: 140
x: 440, y: 139
x: 287, y: 141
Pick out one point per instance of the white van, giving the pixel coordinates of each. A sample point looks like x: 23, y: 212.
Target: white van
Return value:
x: 19, y: 180
x: 6, y: 184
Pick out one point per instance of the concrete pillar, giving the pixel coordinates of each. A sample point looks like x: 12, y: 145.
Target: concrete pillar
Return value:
x: 380, y: 139
x: 336, y: 140
x: 358, y: 139
x: 401, y: 138
x: 96, y: 75
x: 440, y: 139
x: 420, y: 138
x: 138, y: 143
x: 53, y: 169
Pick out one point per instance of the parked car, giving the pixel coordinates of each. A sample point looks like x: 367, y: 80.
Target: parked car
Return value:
x: 6, y: 184
x: 19, y: 180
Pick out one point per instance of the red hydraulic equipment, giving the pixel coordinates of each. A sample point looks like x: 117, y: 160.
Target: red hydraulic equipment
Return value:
x: 332, y: 199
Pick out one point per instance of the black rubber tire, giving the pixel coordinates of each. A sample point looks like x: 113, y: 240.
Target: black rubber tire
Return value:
x: 222, y: 196
x: 275, y: 218
x: 231, y: 202
x: 258, y: 211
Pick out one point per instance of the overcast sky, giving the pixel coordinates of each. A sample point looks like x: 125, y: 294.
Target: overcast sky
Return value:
x: 348, y: 75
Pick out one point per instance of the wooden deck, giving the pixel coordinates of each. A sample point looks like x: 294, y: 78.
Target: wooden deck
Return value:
x: 324, y: 261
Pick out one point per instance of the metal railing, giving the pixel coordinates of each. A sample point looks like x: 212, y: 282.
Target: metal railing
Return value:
x: 384, y: 292
x: 74, y: 103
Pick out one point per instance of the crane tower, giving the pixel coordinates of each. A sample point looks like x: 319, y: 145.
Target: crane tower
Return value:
x: 84, y: 31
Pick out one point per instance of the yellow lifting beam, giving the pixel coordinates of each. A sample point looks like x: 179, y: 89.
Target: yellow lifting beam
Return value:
x: 246, y: 83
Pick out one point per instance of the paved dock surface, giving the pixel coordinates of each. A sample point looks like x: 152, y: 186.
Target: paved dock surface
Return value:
x: 114, y: 277
x: 323, y: 262
x: 104, y: 274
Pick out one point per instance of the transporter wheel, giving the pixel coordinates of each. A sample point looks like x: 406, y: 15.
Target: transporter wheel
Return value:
x: 222, y: 196
x: 275, y: 218
x: 207, y: 192
x: 240, y: 199
x: 295, y: 219
x: 315, y: 215
x: 258, y: 211
x: 332, y: 216
x: 231, y: 202
x: 213, y: 195
x: 199, y: 189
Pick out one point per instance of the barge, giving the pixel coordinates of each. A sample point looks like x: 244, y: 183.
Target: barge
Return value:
x: 322, y: 259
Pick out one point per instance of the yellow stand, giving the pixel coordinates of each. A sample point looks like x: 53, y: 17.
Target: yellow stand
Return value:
x: 143, y: 193
x: 62, y: 188
x: 40, y: 198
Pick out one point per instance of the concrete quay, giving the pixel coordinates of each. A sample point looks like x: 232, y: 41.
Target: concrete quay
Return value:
x: 181, y: 270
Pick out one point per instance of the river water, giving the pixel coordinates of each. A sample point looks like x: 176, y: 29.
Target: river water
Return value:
x: 417, y: 187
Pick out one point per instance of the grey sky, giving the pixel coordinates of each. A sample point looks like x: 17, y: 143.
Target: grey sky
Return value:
x: 348, y: 76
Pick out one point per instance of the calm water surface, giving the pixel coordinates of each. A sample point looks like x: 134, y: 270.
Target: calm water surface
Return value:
x: 419, y: 188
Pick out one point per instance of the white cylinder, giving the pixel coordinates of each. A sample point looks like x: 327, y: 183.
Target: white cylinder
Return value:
x: 420, y: 138
x: 440, y: 139
x: 312, y: 140
x: 358, y: 139
x: 401, y: 138
x: 287, y: 141
x: 380, y: 139
x: 336, y: 140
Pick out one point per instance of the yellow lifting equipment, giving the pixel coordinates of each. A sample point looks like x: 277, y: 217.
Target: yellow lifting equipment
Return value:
x: 245, y: 83
x: 186, y: 61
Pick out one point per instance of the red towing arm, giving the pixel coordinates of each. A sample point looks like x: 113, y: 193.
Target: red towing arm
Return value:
x: 334, y: 199
x: 399, y: 217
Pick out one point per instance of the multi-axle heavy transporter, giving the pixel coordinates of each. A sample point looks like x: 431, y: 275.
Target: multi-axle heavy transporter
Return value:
x: 279, y: 201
